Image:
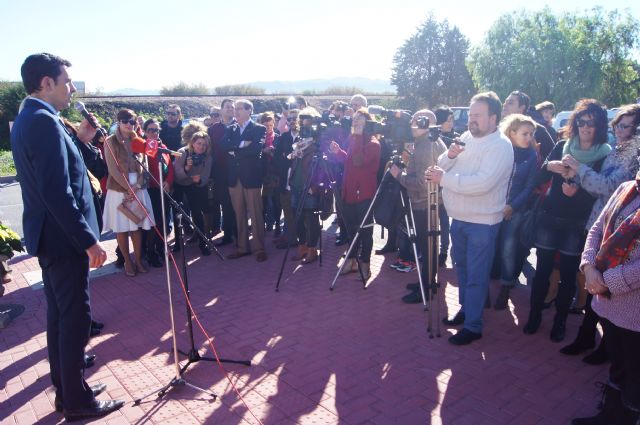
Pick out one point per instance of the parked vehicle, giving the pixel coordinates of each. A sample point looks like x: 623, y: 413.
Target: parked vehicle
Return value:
x: 460, y: 118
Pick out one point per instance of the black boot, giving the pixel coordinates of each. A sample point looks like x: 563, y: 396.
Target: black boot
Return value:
x: 584, y: 341
x: 558, y: 331
x: 598, y: 357
x: 503, y: 298
x: 539, y: 290
x: 609, y: 407
x: 533, y: 322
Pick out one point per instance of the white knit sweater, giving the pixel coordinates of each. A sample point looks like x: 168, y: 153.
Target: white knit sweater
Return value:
x: 475, y: 183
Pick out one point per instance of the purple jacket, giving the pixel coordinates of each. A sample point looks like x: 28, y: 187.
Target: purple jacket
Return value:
x: 623, y: 281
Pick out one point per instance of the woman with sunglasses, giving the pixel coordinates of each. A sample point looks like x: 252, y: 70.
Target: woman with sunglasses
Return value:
x: 619, y: 166
x: 154, y: 246
x: 564, y: 212
x: 126, y: 190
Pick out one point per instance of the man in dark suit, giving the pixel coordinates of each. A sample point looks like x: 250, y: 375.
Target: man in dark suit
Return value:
x: 243, y: 141
x: 60, y: 227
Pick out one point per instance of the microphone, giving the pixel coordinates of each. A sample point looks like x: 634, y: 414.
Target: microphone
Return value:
x: 150, y: 148
x: 90, y: 118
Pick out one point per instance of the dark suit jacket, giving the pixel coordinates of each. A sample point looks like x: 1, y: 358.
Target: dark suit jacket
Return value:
x: 245, y: 163
x: 59, y: 218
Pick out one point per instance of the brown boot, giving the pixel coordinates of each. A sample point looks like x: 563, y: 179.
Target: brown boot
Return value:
x: 302, y: 252
x: 312, y: 255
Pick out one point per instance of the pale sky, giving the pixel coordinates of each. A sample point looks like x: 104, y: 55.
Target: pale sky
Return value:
x: 147, y: 44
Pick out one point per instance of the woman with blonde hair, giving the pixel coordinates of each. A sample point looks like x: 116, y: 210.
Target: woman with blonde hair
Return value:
x: 192, y: 175
x: 126, y: 190
x: 520, y: 130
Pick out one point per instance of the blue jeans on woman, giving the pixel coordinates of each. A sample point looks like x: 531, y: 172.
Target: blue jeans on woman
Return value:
x: 473, y: 247
x: 509, y: 241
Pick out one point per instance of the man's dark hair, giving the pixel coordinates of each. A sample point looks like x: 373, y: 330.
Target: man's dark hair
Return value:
x: 38, y: 66
x: 224, y: 101
x: 442, y: 114
x: 523, y: 99
x: 301, y: 101
x: 493, y: 102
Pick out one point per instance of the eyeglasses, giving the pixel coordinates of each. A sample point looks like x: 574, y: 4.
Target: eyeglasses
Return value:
x: 151, y: 130
x: 172, y: 114
x: 623, y: 127
x: 292, y: 119
x: 131, y: 121
x: 589, y: 123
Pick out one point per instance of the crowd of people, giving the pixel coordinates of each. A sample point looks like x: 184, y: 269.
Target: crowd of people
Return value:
x: 508, y: 184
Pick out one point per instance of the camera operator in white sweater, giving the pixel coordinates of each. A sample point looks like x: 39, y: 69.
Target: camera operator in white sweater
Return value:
x: 474, y: 175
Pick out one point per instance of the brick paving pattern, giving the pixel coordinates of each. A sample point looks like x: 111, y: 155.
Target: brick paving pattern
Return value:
x: 348, y: 356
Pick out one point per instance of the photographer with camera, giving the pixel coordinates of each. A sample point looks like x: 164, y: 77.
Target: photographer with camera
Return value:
x: 339, y: 132
x: 359, y: 185
x: 303, y: 176
x: 192, y: 175
x: 427, y: 148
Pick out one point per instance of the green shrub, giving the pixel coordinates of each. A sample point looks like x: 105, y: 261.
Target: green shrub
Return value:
x: 11, y: 94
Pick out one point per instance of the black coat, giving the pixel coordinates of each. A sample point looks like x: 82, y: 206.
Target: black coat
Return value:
x: 245, y: 163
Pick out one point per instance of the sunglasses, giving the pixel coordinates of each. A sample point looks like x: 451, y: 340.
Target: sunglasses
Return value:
x: 172, y: 114
x: 589, y: 123
x: 292, y: 119
x: 151, y: 130
x: 131, y: 121
x: 623, y: 127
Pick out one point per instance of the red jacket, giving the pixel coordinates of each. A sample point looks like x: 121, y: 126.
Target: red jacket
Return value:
x: 153, y: 168
x: 361, y: 163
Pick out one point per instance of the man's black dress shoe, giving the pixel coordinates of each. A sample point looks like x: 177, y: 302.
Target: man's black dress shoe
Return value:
x: 96, y: 389
x: 458, y: 319
x: 99, y: 408
x: 464, y: 337
x: 89, y: 360
x: 97, y: 325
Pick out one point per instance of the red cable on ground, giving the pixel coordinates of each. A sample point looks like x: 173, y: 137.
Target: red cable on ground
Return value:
x: 184, y: 291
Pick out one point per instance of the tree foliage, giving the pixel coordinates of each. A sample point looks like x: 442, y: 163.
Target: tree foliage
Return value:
x: 184, y: 89
x: 560, y: 58
x: 11, y: 94
x: 239, y: 90
x: 429, y: 68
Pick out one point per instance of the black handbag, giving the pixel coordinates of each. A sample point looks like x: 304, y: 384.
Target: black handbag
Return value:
x: 529, y: 225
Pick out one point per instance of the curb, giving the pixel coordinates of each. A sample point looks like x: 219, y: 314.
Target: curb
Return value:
x: 7, y: 179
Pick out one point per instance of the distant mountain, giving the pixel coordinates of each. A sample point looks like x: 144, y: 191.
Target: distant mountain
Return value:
x: 369, y: 85
x: 131, y: 92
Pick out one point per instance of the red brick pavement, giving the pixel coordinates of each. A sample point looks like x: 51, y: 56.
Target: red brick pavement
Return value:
x: 349, y: 356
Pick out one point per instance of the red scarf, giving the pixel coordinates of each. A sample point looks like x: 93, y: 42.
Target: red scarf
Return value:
x: 617, y: 243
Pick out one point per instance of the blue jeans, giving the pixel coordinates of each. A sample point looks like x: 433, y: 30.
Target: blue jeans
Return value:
x: 509, y: 232
x: 473, y: 246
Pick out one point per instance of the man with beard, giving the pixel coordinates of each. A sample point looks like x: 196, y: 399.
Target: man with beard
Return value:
x: 474, y: 176
x: 171, y: 128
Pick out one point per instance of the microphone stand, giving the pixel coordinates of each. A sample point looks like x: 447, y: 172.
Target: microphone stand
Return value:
x: 177, y: 380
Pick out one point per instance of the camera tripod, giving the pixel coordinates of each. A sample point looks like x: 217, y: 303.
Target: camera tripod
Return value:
x: 317, y: 161
x: 409, y: 221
